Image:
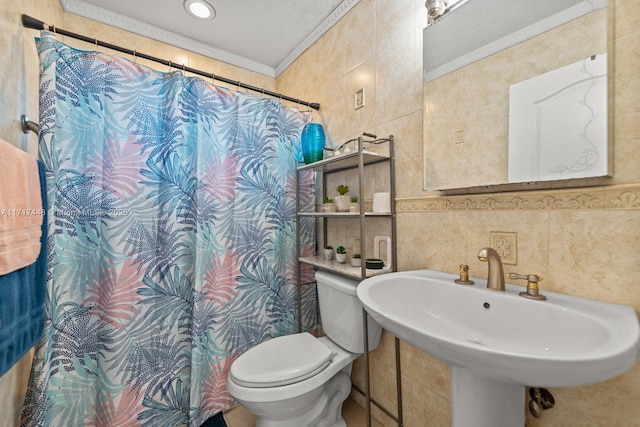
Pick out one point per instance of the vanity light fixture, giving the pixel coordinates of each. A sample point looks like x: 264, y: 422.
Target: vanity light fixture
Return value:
x: 436, y: 8
x: 200, y: 9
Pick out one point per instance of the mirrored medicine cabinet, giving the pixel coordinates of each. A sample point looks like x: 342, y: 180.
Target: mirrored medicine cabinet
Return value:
x: 483, y: 131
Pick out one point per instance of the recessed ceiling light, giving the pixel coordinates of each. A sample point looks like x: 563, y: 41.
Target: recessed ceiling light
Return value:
x: 200, y: 9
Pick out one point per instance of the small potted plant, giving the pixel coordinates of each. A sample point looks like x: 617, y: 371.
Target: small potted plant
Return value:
x: 341, y: 255
x: 354, y: 206
x: 355, y: 260
x: 328, y: 205
x: 342, y: 200
x: 327, y: 253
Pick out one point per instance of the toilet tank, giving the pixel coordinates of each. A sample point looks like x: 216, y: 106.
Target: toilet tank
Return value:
x: 341, y: 313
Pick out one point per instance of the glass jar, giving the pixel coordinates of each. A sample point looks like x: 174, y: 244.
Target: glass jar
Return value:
x: 313, y: 140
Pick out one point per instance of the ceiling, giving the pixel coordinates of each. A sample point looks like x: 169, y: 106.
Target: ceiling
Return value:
x: 264, y: 36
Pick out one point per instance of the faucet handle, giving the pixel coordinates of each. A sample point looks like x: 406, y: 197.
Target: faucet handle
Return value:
x: 532, y: 291
x: 464, y: 276
x: 528, y: 277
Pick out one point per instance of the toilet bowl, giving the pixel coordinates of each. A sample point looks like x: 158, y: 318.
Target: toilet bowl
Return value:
x: 299, y: 380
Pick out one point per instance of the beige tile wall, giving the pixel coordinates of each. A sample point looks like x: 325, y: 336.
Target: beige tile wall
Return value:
x: 19, y: 95
x: 584, y: 242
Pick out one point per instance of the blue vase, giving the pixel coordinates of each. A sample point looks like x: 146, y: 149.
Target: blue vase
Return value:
x: 312, y: 142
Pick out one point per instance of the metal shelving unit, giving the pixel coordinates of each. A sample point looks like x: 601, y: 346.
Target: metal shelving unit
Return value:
x: 365, y: 155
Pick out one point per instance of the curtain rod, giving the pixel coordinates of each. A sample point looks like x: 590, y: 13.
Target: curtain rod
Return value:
x: 33, y: 23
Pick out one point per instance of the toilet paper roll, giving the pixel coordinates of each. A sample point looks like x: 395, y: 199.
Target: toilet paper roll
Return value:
x: 381, y: 202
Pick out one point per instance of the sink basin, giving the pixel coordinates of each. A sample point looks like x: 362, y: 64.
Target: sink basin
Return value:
x: 499, y: 341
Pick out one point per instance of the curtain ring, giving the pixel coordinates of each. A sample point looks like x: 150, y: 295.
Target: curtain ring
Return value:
x: 95, y: 41
x: 169, y: 65
x: 53, y: 27
x: 135, y: 57
x: 183, y: 69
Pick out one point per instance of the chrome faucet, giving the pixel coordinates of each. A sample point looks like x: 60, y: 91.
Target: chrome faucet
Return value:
x: 495, y: 279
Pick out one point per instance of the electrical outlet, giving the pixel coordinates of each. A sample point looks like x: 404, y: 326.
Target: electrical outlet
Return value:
x: 461, y: 136
x: 506, y: 244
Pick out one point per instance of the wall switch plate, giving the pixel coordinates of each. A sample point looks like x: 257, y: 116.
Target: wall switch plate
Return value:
x: 505, y: 243
x: 461, y: 136
x: 358, y: 99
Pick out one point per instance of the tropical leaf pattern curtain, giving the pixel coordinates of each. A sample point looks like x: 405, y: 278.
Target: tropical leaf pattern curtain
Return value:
x: 172, y: 239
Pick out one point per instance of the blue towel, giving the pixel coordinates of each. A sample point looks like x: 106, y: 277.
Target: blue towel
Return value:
x: 22, y: 295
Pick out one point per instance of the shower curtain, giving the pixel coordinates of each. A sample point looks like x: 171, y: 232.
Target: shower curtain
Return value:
x: 172, y: 239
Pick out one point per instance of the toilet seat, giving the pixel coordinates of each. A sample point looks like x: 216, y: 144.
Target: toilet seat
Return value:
x: 281, y: 361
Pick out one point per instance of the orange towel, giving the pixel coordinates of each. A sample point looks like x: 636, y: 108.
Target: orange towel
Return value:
x: 21, y: 209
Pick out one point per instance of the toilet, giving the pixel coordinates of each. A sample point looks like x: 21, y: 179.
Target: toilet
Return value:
x: 299, y: 380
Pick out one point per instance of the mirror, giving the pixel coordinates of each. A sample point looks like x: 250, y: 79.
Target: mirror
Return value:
x: 472, y: 57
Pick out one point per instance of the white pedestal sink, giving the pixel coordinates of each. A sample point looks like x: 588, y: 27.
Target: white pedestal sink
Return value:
x: 497, y: 343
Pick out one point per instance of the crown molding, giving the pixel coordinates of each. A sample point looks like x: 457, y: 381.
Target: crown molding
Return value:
x: 96, y: 13
x: 341, y: 10
x: 583, y: 8
x: 610, y: 198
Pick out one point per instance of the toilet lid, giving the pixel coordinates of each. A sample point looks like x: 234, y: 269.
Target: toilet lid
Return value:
x: 281, y: 361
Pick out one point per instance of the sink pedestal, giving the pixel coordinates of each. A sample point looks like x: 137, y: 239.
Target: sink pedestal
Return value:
x: 481, y: 402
